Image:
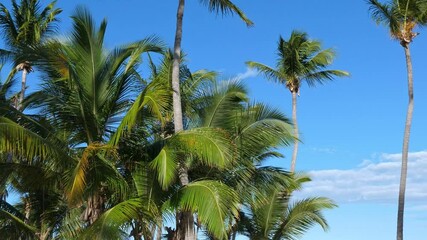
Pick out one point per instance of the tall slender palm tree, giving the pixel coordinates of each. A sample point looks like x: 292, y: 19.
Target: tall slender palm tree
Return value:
x: 23, y: 28
x: 185, y: 224
x: 402, y: 17
x: 299, y: 59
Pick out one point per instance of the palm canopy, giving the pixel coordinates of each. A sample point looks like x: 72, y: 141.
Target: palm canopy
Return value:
x: 300, y: 59
x: 27, y: 24
x: 87, y: 87
x: 401, y: 16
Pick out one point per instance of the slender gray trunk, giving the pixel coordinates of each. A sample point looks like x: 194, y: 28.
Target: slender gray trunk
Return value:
x: 184, y: 220
x: 176, y: 95
x: 296, y: 133
x: 23, y: 87
x: 405, y: 148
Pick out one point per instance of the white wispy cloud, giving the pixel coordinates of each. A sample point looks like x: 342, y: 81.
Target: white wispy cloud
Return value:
x: 375, y: 180
x: 248, y: 74
x: 328, y: 150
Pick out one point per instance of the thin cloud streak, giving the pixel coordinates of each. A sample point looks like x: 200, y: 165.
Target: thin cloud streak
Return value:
x: 375, y: 180
x: 248, y: 74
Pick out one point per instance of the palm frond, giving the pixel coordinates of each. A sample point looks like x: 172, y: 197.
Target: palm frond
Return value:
x: 225, y: 102
x: 268, y: 72
x: 19, y: 223
x: 213, y: 201
x: 166, y: 165
x: 302, y: 215
x: 110, y: 224
x: 155, y: 98
x: 226, y: 7
x: 78, y: 181
x: 22, y: 142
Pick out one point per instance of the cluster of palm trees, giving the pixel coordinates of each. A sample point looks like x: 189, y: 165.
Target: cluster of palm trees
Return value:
x: 98, y: 151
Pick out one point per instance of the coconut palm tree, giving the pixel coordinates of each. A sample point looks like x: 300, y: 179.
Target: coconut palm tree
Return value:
x: 86, y: 88
x: 277, y: 217
x: 23, y: 28
x: 186, y: 230
x: 299, y: 59
x: 402, y: 17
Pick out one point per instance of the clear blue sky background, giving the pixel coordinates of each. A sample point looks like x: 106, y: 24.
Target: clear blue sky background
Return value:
x: 351, y: 128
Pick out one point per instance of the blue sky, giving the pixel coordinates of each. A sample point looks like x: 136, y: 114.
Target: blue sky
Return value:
x: 351, y: 128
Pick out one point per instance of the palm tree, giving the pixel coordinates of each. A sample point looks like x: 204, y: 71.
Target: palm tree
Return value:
x: 85, y: 91
x: 299, y: 59
x: 277, y: 217
x: 220, y: 6
x: 402, y: 17
x: 23, y: 28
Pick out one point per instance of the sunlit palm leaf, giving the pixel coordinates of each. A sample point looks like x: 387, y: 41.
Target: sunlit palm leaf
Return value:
x: 113, y: 219
x: 225, y: 7
x: 302, y: 215
x: 155, y: 98
x: 166, y: 166
x: 22, y: 142
x: 78, y: 181
x: 225, y: 103
x: 213, y: 201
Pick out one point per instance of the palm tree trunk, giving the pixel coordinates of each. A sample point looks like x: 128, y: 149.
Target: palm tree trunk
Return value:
x: 185, y: 220
x: 94, y: 209
x: 176, y: 95
x: 405, y: 148
x: 296, y: 133
x: 23, y: 87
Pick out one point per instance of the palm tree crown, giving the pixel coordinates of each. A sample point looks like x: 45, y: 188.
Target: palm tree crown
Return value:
x: 300, y: 59
x: 401, y: 17
x: 23, y: 29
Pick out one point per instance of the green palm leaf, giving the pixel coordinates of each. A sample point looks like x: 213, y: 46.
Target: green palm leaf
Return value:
x: 302, y: 215
x: 155, y: 98
x: 113, y: 219
x: 78, y: 181
x: 226, y: 6
x: 19, y: 223
x: 25, y: 143
x: 213, y: 201
x: 212, y: 147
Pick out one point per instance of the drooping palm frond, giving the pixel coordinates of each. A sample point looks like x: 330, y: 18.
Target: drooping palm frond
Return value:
x: 226, y: 101
x: 91, y: 162
x: 155, y: 98
x: 22, y: 142
x: 301, y: 216
x: 212, y: 147
x: 213, y: 201
x: 113, y: 219
x: 226, y: 7
x: 268, y: 72
x: 15, y: 223
x: 71, y: 226
x: 262, y: 129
